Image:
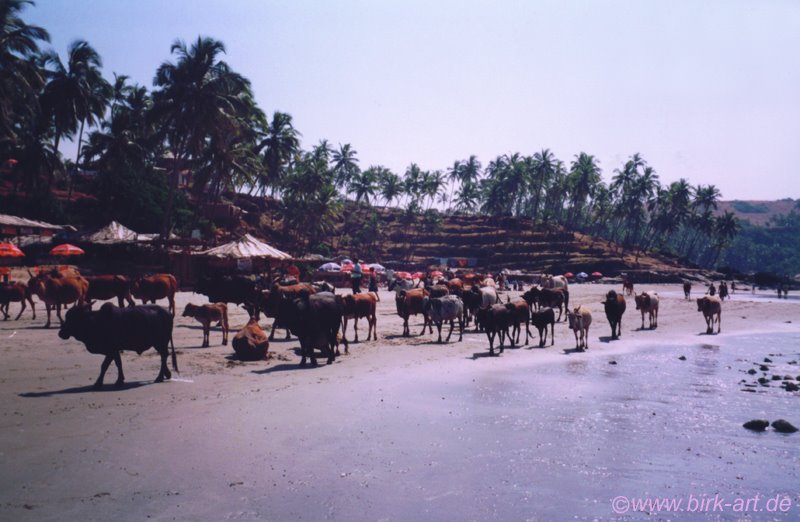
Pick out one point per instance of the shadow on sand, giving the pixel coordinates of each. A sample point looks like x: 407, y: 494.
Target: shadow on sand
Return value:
x: 88, y: 389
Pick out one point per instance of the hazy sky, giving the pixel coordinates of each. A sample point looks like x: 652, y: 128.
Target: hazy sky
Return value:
x: 706, y: 90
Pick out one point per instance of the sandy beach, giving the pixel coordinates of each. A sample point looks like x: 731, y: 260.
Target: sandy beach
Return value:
x: 406, y: 429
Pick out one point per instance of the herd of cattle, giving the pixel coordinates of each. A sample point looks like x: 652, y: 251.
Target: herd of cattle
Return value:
x: 311, y: 311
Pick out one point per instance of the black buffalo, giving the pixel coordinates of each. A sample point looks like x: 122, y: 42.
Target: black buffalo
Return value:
x: 315, y: 319
x: 236, y: 289
x: 112, y: 329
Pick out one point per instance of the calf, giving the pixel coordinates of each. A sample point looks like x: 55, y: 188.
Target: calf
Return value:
x: 647, y: 303
x: 579, y: 321
x: 711, y: 306
x: 207, y: 314
x: 112, y: 329
x: 540, y: 319
x: 357, y: 306
x: 410, y: 303
x: 15, y: 292
x: 251, y: 343
x: 446, y: 308
x: 614, y: 306
x: 495, y: 320
x: 520, y: 314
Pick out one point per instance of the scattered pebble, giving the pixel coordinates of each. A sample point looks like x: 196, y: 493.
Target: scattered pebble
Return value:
x: 756, y: 424
x: 751, y: 371
x: 612, y: 362
x: 767, y: 359
x: 682, y: 358
x: 777, y: 378
x: 783, y: 426
x: 764, y: 368
x: 790, y: 386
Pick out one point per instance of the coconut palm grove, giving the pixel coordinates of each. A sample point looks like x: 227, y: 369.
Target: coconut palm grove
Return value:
x: 158, y: 157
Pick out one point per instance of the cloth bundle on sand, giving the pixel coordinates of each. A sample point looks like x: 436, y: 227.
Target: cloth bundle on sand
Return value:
x: 251, y: 342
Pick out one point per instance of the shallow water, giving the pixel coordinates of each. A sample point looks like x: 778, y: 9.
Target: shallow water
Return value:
x: 560, y: 441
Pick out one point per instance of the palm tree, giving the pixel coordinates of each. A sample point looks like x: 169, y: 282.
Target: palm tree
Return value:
x: 582, y: 182
x: 280, y: 145
x: 468, y: 197
x: 390, y: 185
x: 20, y: 76
x: 726, y: 227
x: 364, y: 184
x: 345, y: 166
x: 200, y: 99
x: 77, y: 93
x: 453, y: 177
x: 544, y: 165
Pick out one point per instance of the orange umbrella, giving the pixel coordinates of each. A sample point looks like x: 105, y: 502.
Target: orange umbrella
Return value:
x: 9, y: 250
x: 569, y: 275
x: 66, y: 250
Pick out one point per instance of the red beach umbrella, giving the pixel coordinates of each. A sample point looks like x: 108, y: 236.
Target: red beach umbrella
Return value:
x: 597, y: 274
x: 436, y: 273
x: 569, y: 275
x: 10, y: 250
x: 417, y: 275
x: 66, y: 250
x: 402, y: 275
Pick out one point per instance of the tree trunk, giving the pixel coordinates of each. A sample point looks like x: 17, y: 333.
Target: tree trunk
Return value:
x: 77, y: 162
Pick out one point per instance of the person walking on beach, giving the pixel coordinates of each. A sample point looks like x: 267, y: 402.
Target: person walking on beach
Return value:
x: 355, y: 276
x: 723, y: 290
x: 712, y: 290
x: 373, y: 280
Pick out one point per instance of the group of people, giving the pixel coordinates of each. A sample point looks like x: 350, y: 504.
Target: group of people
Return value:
x: 358, y: 274
x: 723, y: 289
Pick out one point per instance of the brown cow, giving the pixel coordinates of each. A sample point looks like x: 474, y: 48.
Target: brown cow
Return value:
x: 271, y: 300
x: 55, y: 288
x: 357, y: 306
x: 15, y: 292
x: 456, y: 286
x: 627, y: 287
x: 410, y: 302
x: 711, y: 306
x: 647, y: 303
x: 154, y: 287
x: 614, y: 306
x: 104, y: 287
x: 251, y: 343
x: 207, y: 314
x: 520, y: 313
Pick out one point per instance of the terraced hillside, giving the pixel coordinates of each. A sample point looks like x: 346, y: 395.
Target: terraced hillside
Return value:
x: 512, y: 243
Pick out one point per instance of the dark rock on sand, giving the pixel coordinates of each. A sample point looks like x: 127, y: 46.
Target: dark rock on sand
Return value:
x: 756, y: 424
x: 767, y: 359
x: 764, y: 368
x: 777, y: 378
x: 764, y: 381
x: 751, y: 371
x: 790, y: 386
x: 783, y: 426
x: 682, y: 358
x: 612, y: 362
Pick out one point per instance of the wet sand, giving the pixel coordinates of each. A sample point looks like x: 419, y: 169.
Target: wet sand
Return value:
x: 406, y: 429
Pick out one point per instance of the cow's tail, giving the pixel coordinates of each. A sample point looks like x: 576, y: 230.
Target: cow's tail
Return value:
x: 174, y: 357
